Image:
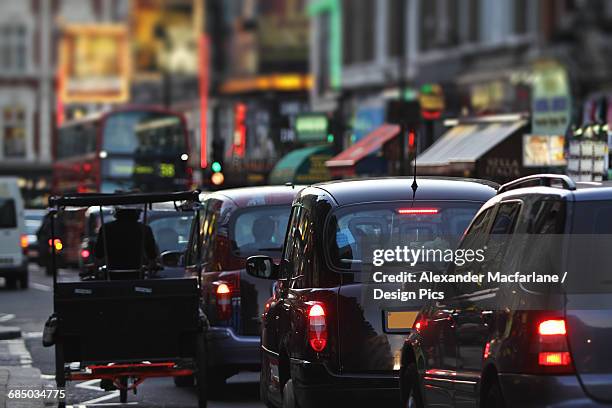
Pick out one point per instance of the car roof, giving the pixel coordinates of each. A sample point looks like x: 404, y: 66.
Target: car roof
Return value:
x: 254, y: 196
x: 399, y: 189
x: 585, y: 191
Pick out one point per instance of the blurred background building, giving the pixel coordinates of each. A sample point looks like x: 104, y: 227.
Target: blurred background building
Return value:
x: 303, y: 91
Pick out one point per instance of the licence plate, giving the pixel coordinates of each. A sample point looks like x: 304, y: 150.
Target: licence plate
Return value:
x: 399, y: 321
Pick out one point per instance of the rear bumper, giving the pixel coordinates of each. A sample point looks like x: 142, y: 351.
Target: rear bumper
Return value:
x: 531, y: 391
x: 316, y: 386
x: 231, y: 351
x: 7, y: 271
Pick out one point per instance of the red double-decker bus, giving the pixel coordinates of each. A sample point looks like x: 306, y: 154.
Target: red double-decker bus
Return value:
x: 132, y: 148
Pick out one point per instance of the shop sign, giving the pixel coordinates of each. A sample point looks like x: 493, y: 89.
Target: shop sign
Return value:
x: 312, y: 128
x: 551, y: 103
x: 94, y: 64
x: 543, y: 150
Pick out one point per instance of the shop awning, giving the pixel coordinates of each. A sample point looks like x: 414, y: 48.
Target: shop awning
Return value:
x: 372, y: 142
x: 302, y: 166
x: 467, y: 142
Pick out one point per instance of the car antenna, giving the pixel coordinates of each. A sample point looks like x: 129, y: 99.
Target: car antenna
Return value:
x: 414, y: 185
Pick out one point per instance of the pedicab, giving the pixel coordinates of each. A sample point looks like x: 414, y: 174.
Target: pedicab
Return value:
x: 127, y: 325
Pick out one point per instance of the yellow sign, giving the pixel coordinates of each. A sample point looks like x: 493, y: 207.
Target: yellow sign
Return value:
x: 164, y: 36
x: 94, y: 64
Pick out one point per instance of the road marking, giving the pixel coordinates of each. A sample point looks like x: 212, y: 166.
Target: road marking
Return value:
x: 104, y: 404
x: 114, y: 394
x: 42, y: 287
x: 6, y: 317
x: 17, y: 348
x: 88, y: 385
x: 32, y: 335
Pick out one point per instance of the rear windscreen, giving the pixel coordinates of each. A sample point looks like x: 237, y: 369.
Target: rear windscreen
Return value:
x: 8, y: 215
x: 355, y: 232
x: 588, y: 248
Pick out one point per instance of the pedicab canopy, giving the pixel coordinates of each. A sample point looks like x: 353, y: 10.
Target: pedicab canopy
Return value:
x: 89, y: 200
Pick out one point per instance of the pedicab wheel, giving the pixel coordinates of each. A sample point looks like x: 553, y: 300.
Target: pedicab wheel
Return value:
x: 200, y: 376
x: 123, y: 391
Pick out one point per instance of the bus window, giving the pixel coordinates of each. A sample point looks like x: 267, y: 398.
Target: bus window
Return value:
x: 144, y: 132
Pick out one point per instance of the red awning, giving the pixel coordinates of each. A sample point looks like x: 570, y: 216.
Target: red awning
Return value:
x: 344, y: 163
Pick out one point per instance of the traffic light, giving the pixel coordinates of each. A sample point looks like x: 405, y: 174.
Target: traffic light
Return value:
x: 217, y: 178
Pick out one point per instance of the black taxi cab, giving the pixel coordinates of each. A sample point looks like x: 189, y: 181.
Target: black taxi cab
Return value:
x: 329, y: 332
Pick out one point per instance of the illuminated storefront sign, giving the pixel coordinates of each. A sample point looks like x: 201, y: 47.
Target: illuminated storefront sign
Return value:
x: 94, y: 64
x: 312, y: 128
x: 164, y: 36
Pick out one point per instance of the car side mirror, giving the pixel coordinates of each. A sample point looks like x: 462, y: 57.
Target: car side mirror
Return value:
x: 262, y: 266
x: 172, y: 259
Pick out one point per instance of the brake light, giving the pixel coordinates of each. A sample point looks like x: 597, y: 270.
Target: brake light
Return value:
x: 420, y: 324
x: 418, y: 211
x: 57, y: 244
x: 224, y: 301
x: 553, y: 352
x: 554, y: 359
x: 24, y: 241
x: 85, y: 253
x: 552, y: 328
x: 317, y: 328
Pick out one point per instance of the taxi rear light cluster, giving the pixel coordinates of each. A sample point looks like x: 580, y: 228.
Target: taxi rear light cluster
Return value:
x: 224, y: 301
x: 553, y: 351
x: 317, y: 327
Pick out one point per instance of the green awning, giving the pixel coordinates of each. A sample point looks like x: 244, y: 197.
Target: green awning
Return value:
x: 303, y: 166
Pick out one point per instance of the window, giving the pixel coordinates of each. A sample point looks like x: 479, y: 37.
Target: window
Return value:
x: 429, y: 24
x: 299, y: 246
x: 439, y: 24
x: 473, y: 21
x: 501, y: 233
x: 76, y: 140
x: 14, y: 131
x: 521, y: 15
x: 144, y: 133
x: 171, y: 233
x: 13, y: 48
x: 396, y: 14
x: 358, y: 21
x: 323, y: 43
x: 259, y: 230
x: 356, y: 231
x: 8, y: 214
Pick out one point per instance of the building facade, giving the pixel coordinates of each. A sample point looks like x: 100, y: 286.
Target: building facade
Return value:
x: 483, y: 54
x: 28, y: 56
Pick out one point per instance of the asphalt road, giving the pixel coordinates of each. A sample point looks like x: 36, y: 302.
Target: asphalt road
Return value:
x: 29, y: 310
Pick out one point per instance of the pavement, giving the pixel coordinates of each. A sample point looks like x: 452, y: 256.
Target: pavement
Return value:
x: 20, y: 383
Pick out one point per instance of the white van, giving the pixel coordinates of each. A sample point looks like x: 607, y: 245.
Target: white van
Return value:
x: 13, y: 238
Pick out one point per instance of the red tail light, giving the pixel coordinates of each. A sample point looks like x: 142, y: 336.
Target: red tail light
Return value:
x: 317, y: 328
x: 224, y: 301
x: 554, y: 359
x: 553, y: 352
x: 420, y: 324
x: 85, y: 253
